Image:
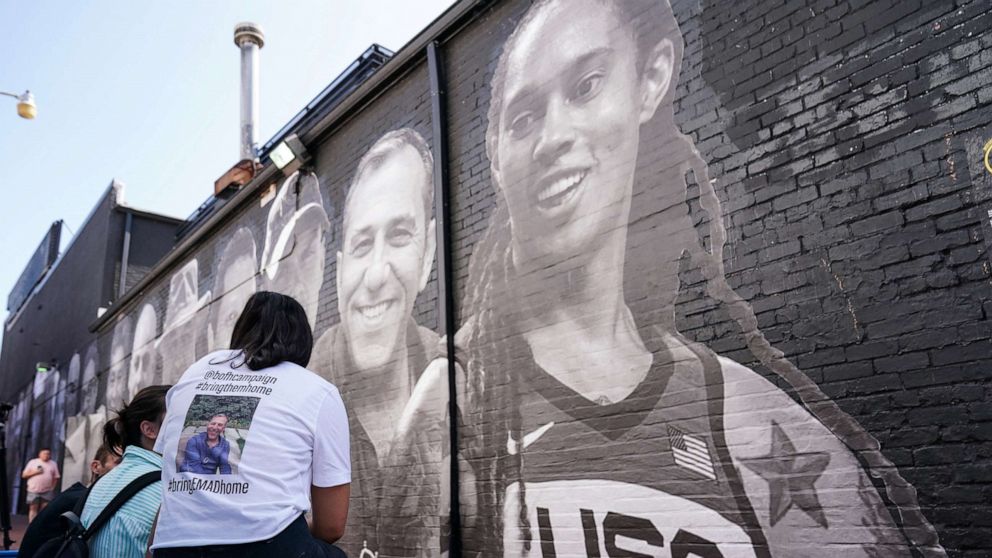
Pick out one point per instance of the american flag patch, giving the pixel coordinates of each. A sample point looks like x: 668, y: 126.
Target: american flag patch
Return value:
x: 691, y: 452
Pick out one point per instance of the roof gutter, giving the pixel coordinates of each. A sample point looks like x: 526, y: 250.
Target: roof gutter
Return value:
x: 184, y: 247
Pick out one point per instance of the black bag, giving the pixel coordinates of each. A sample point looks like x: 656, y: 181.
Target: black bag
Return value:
x: 73, y: 543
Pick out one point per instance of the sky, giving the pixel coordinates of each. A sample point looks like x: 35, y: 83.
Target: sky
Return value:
x: 147, y: 93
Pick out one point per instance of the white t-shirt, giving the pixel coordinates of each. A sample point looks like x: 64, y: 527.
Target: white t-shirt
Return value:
x: 241, y: 449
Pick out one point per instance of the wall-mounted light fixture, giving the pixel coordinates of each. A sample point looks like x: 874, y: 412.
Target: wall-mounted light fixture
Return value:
x: 289, y: 155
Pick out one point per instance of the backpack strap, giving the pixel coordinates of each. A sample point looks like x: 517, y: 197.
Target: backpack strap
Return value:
x: 81, y: 503
x: 134, y: 487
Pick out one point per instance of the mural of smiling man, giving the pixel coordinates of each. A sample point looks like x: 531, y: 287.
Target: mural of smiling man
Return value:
x: 378, y: 352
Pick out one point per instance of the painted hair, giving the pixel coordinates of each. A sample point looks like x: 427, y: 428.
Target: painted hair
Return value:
x: 380, y: 152
x: 666, y: 157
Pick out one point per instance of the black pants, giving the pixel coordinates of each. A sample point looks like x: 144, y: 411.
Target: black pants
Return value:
x: 294, y: 542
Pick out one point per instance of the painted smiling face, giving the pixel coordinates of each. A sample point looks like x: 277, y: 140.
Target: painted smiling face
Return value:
x: 568, y: 130
x: 384, y: 261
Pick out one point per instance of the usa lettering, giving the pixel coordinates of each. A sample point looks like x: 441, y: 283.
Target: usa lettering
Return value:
x: 625, y: 536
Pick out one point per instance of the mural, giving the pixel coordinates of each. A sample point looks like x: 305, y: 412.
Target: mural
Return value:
x: 143, y: 370
x: 84, y: 436
x: 378, y: 352
x: 117, y: 375
x: 293, y: 255
x: 676, y: 450
x: 90, y: 383
x: 235, y: 283
x: 184, y: 323
x: 596, y: 416
x: 72, y: 381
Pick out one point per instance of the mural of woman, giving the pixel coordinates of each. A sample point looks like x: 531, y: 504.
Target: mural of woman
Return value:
x: 594, y: 426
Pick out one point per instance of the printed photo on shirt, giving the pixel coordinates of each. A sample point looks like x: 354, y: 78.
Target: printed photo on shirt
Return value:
x: 214, y: 434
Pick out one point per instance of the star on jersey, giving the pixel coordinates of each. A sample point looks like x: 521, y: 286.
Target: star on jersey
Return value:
x: 791, y: 477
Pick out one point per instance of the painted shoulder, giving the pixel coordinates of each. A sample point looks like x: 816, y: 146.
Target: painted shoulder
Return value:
x: 810, y: 493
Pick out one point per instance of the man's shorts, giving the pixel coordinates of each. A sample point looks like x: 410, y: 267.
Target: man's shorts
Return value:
x: 46, y: 496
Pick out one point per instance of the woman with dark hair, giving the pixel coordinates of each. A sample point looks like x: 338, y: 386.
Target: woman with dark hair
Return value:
x: 133, y: 431
x: 595, y: 427
x: 293, y: 446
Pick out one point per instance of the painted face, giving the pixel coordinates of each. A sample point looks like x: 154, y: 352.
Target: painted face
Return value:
x: 117, y: 377
x: 383, y: 262
x: 239, y: 285
x: 90, y: 381
x: 568, y: 130
x: 301, y: 271
x: 143, y: 352
x: 216, y: 427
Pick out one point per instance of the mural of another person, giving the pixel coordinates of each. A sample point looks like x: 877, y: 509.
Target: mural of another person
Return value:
x: 293, y: 255
x: 144, y: 357
x: 184, y: 322
x: 602, y: 431
x: 17, y: 425
x: 236, y: 270
x: 72, y: 381
x: 90, y: 383
x: 46, y: 403
x: 84, y: 435
x: 207, y: 452
x: 117, y: 375
x: 378, y: 352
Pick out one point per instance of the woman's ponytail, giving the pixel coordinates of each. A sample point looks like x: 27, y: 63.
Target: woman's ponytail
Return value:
x: 113, y: 434
x: 124, y: 429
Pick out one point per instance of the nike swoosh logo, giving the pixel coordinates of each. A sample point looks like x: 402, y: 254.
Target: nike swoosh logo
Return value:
x: 514, y: 447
